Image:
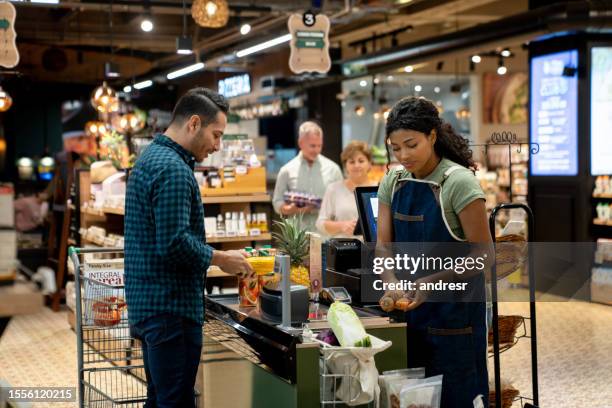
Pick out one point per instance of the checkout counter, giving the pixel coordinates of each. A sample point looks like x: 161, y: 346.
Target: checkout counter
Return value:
x: 251, y: 361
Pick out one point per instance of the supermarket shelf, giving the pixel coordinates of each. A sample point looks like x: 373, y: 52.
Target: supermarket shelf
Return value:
x: 262, y: 237
x: 116, y: 211
x: 602, y: 222
x: 250, y: 198
x: 102, y: 212
x: 91, y: 211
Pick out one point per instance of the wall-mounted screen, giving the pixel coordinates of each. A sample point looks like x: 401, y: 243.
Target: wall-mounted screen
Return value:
x: 235, y: 85
x: 554, y: 113
x: 601, y: 110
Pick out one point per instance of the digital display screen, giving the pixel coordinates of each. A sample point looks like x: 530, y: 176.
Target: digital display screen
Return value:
x: 554, y: 114
x: 601, y: 110
x: 367, y: 205
x: 235, y: 86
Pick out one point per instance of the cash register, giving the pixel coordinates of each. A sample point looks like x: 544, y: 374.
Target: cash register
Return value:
x: 344, y: 255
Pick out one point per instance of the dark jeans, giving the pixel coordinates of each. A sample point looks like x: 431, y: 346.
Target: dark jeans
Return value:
x: 171, y: 348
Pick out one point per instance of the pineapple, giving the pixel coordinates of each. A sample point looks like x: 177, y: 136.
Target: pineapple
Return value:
x: 292, y: 240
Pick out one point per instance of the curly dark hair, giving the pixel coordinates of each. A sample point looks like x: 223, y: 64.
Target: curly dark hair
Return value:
x: 421, y: 114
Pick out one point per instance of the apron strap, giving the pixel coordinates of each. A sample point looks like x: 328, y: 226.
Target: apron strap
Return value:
x: 447, y: 174
x: 450, y: 171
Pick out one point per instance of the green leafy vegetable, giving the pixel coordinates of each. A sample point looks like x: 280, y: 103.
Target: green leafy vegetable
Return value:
x: 347, y: 327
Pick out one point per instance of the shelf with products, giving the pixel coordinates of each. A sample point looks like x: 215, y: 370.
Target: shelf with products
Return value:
x: 603, y: 187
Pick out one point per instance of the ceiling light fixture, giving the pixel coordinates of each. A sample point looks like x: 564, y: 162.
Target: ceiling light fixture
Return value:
x: 476, y: 59
x: 245, y: 29
x: 5, y: 100
x: 184, y: 44
x: 147, y: 25
x: 437, y: 89
x: 501, y: 68
x: 186, y: 70
x: 111, y: 70
x: 143, y: 84
x: 210, y: 13
x: 264, y: 45
x: 363, y: 83
x: 104, y: 99
x: 418, y: 88
x: 408, y: 68
x: 127, y: 89
x: 506, y: 53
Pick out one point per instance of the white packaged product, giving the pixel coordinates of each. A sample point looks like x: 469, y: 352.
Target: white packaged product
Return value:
x: 397, y: 376
x: 424, y: 393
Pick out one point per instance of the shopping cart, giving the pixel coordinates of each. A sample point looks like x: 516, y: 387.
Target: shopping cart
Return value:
x: 110, y: 366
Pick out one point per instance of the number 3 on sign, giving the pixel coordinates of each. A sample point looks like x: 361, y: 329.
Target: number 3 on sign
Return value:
x: 309, y: 19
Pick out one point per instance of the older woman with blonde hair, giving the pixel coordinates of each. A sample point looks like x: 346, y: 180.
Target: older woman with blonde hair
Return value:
x: 338, y: 214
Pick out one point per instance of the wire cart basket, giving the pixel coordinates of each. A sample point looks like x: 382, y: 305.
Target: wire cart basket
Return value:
x: 110, y: 366
x: 334, y: 384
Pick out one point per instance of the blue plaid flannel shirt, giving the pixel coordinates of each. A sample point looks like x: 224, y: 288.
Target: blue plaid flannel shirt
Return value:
x: 166, y: 256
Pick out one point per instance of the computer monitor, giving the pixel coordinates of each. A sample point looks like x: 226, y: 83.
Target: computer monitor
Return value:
x: 367, y: 206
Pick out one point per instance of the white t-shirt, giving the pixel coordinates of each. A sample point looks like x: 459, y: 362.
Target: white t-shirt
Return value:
x: 339, y: 204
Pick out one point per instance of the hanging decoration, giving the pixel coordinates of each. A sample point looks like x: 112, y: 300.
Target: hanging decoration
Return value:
x: 104, y: 99
x: 9, y: 54
x: 210, y: 13
x: 5, y: 101
x: 310, y: 43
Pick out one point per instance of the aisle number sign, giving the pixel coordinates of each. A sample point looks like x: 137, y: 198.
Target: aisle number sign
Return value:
x: 309, y: 43
x: 9, y: 54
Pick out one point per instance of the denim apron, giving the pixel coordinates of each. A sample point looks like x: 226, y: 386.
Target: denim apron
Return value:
x: 448, y: 338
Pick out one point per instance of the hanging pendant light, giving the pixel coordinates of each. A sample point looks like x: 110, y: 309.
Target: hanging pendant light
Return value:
x: 5, y: 100
x: 104, y: 99
x: 130, y: 123
x: 210, y: 13
x: 96, y: 128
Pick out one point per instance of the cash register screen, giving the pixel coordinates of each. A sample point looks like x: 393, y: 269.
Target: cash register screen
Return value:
x: 367, y: 206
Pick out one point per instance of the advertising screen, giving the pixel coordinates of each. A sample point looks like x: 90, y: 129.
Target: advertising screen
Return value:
x: 554, y: 114
x: 601, y: 110
x: 235, y: 86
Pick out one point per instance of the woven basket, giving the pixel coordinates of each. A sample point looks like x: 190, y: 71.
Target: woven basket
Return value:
x: 507, y: 329
x: 510, y: 238
x: 508, y: 396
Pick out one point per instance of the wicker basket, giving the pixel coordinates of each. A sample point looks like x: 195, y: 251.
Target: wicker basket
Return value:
x: 509, y: 393
x: 507, y: 329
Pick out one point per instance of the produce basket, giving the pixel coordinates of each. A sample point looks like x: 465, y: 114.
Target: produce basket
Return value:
x: 509, y: 394
x: 508, y: 326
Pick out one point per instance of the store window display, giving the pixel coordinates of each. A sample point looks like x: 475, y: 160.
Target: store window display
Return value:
x: 435, y: 197
x: 338, y: 214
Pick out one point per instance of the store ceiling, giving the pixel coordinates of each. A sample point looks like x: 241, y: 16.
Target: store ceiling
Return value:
x: 72, y: 40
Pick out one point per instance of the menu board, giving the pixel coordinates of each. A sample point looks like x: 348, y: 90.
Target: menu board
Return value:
x: 554, y: 114
x: 601, y: 110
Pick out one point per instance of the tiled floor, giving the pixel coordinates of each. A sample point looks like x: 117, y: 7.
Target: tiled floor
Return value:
x: 574, y: 345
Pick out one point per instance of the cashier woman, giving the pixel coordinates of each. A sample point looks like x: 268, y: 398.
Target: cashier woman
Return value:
x: 435, y: 197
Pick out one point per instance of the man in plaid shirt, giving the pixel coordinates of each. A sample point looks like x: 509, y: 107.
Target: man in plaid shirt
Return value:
x: 166, y: 256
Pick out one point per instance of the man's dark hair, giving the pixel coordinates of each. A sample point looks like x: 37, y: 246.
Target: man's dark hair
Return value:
x: 202, y: 102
